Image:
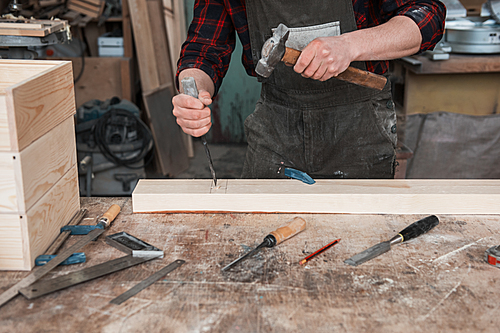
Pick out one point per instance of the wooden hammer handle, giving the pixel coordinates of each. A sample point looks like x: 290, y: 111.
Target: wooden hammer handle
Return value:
x: 351, y: 74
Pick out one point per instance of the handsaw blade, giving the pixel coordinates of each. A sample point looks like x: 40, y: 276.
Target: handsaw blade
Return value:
x: 68, y: 280
x: 369, y: 254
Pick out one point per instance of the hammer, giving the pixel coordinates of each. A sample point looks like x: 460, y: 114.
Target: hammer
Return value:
x: 274, y: 51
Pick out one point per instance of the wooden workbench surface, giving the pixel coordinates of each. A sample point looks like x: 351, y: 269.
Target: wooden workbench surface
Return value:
x: 438, y: 282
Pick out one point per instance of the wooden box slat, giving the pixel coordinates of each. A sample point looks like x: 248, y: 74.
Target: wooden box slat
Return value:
x: 36, y: 103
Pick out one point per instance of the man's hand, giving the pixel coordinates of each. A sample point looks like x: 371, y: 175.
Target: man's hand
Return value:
x: 326, y: 57
x: 323, y: 58
x: 193, y: 114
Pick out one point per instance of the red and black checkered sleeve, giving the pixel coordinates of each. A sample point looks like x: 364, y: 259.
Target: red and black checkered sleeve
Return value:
x: 428, y: 15
x: 210, y: 42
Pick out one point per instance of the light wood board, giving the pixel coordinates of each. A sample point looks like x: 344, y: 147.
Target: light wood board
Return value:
x: 325, y: 196
x: 35, y: 28
x: 36, y: 168
x: 37, y: 103
x: 34, y: 231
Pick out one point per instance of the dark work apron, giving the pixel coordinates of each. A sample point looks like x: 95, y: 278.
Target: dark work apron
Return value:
x: 330, y: 129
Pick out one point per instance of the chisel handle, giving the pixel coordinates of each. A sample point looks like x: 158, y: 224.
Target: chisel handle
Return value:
x: 189, y: 87
x: 109, y: 216
x: 351, y: 74
x: 289, y: 230
x: 417, y: 228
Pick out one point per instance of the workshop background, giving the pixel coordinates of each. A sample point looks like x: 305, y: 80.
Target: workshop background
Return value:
x: 124, y: 56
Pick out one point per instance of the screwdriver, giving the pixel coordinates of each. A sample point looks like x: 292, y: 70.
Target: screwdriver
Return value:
x: 274, y: 238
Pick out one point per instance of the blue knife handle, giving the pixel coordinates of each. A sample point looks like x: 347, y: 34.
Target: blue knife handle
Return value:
x: 75, y: 258
x: 300, y: 175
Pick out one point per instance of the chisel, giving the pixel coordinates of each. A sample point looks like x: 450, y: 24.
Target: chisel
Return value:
x: 412, y: 231
x: 274, y: 238
x: 104, y: 221
x: 189, y: 88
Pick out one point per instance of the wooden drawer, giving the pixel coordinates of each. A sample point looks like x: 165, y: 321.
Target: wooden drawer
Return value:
x: 35, y: 96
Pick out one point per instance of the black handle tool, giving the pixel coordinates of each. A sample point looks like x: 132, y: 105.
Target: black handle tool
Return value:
x: 412, y: 231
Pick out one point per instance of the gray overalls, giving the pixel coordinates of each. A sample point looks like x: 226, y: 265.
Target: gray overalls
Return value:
x: 330, y: 129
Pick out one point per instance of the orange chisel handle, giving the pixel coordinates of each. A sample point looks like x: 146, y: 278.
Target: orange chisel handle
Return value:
x: 109, y: 216
x: 291, y: 229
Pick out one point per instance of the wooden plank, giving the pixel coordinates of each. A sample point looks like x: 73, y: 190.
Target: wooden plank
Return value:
x: 458, y: 63
x: 36, y: 105
x: 102, y: 78
x: 11, y: 248
x: 169, y: 144
x: 9, y: 200
x: 26, y: 29
x: 50, y: 213
x: 45, y: 161
x: 128, y: 47
x: 4, y: 125
x: 144, y: 46
x: 325, y: 196
x: 20, y: 70
x: 160, y: 43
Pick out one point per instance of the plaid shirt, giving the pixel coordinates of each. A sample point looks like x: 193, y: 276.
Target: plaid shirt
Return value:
x: 211, y: 35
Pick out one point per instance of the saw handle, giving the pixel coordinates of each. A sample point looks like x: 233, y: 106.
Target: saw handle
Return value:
x: 417, y: 228
x: 289, y: 230
x: 351, y: 74
x: 109, y: 216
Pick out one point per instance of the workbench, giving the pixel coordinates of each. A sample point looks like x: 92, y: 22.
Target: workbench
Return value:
x: 438, y: 282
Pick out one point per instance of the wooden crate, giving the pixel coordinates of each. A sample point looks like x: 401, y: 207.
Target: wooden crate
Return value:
x: 38, y: 168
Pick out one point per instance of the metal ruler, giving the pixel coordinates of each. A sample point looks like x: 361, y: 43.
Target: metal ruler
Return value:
x: 147, y: 282
x: 68, y: 280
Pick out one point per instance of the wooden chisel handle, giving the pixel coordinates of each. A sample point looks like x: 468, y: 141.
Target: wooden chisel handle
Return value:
x: 291, y: 229
x: 110, y: 215
x: 351, y: 74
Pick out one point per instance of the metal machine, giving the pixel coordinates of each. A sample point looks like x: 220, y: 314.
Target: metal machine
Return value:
x: 112, y: 144
x: 472, y: 34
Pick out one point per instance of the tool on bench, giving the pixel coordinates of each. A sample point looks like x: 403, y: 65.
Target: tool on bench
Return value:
x: 189, y: 88
x: 134, y: 246
x: 45, y: 287
x: 75, y: 258
x: 323, y: 249
x: 492, y: 256
x: 105, y: 221
x: 412, y: 231
x: 274, y: 238
x: 147, y: 282
x: 296, y: 174
x: 274, y: 51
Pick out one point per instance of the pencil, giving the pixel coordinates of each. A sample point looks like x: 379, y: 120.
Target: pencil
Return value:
x: 324, y: 248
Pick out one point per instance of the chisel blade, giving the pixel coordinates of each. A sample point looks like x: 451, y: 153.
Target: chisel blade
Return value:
x: 209, y: 158
x: 369, y: 254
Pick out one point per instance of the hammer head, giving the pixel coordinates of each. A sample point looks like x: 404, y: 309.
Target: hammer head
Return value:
x: 272, y: 51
